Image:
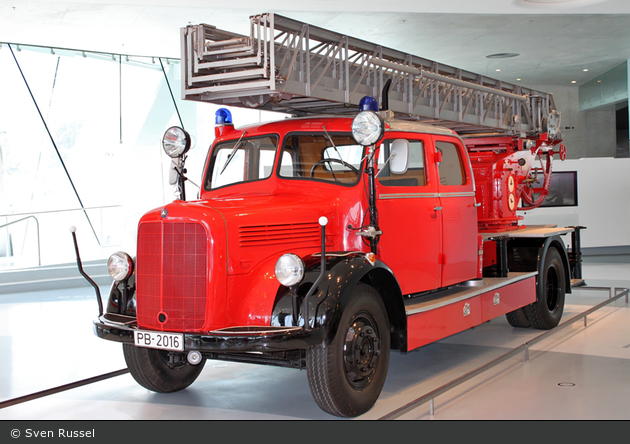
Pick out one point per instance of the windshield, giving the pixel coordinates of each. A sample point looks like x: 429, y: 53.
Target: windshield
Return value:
x: 241, y: 161
x: 328, y: 157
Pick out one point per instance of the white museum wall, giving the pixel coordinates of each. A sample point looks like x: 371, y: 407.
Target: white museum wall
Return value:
x: 603, y: 202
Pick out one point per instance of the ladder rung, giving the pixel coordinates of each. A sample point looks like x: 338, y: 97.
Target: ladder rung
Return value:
x: 262, y: 85
x: 231, y: 42
x: 235, y: 75
x: 236, y: 52
x: 251, y: 61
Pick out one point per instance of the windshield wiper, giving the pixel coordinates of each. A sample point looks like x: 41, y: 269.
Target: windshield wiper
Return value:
x: 231, y: 155
x: 332, y: 143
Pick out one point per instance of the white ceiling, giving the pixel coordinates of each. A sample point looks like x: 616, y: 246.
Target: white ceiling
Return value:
x: 556, y: 39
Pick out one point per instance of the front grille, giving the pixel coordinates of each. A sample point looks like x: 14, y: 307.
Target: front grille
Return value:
x: 172, y: 275
x: 261, y: 235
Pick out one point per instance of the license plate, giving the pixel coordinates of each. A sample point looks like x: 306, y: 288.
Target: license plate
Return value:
x: 159, y: 340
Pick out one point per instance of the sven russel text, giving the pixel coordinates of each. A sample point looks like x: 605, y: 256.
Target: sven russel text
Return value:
x: 59, y: 433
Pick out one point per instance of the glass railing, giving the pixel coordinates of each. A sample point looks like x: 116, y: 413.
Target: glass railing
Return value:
x: 80, y: 139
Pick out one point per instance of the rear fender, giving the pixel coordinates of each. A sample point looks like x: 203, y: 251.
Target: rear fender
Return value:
x: 556, y: 241
x: 528, y: 254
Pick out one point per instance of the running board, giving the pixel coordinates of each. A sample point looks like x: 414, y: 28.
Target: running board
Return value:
x: 458, y: 308
x: 461, y: 292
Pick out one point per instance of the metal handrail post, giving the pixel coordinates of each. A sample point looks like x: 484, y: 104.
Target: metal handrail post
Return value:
x: 39, y: 254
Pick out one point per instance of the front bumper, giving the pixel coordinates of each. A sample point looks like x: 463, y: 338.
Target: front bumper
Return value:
x: 120, y: 328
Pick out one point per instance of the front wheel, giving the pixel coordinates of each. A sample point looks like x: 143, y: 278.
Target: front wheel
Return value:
x: 155, y: 371
x: 346, y: 378
x: 546, y: 312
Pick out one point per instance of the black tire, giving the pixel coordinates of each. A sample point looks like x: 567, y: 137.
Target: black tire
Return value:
x: 546, y: 312
x: 346, y: 378
x: 518, y: 319
x: 150, y: 369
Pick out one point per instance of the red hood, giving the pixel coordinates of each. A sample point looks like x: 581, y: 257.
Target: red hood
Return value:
x: 258, y: 226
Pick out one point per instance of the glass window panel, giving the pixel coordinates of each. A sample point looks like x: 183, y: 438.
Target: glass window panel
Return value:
x: 451, y: 168
x: 415, y: 174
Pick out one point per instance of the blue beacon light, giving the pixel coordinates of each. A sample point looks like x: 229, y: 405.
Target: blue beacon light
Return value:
x: 223, y: 117
x: 368, y: 103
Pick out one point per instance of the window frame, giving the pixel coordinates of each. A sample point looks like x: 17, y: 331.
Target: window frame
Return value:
x: 213, y: 154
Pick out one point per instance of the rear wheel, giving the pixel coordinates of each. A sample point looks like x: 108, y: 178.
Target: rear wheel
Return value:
x: 546, y: 312
x: 518, y: 319
x: 346, y: 378
x: 156, y: 371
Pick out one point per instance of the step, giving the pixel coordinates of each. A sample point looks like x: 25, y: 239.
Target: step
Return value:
x: 461, y: 292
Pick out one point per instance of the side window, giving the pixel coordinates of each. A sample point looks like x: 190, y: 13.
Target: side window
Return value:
x: 451, y: 168
x: 415, y: 175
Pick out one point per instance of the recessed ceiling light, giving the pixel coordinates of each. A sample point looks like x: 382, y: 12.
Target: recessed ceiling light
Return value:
x: 518, y: 80
x: 585, y: 70
x: 497, y: 70
x: 502, y: 55
x: 573, y: 81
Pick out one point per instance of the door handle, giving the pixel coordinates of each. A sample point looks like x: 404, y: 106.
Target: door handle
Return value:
x: 437, y: 208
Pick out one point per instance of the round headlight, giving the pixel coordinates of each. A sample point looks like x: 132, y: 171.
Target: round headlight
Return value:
x: 175, y: 142
x: 289, y: 269
x: 367, y: 128
x: 120, y: 266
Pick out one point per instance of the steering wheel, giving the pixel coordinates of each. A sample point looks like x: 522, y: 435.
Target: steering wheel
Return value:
x: 323, y: 161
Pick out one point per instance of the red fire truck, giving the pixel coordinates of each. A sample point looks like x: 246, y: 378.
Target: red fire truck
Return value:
x: 359, y: 226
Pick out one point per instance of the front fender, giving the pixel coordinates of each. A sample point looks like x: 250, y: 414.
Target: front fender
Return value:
x: 120, y: 292
x: 343, y: 272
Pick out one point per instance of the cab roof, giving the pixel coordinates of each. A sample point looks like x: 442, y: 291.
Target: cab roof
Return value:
x: 337, y: 124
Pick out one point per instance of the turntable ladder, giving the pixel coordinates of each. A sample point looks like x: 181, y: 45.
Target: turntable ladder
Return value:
x: 292, y: 67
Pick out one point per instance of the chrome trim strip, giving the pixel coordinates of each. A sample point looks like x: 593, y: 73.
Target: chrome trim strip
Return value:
x: 424, y: 195
x: 251, y: 331
x: 407, y: 195
x: 463, y: 194
x: 248, y: 331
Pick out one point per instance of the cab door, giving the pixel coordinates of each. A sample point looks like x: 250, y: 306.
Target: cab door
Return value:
x: 458, y: 212
x: 411, y: 242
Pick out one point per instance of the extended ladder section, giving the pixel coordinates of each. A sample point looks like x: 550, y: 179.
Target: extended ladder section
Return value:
x: 292, y: 67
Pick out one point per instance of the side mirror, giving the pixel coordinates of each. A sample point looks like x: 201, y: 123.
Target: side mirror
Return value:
x: 399, y: 156
x: 173, y: 175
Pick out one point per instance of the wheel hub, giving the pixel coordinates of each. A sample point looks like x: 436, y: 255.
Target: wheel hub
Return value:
x: 552, y: 289
x: 361, y: 351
